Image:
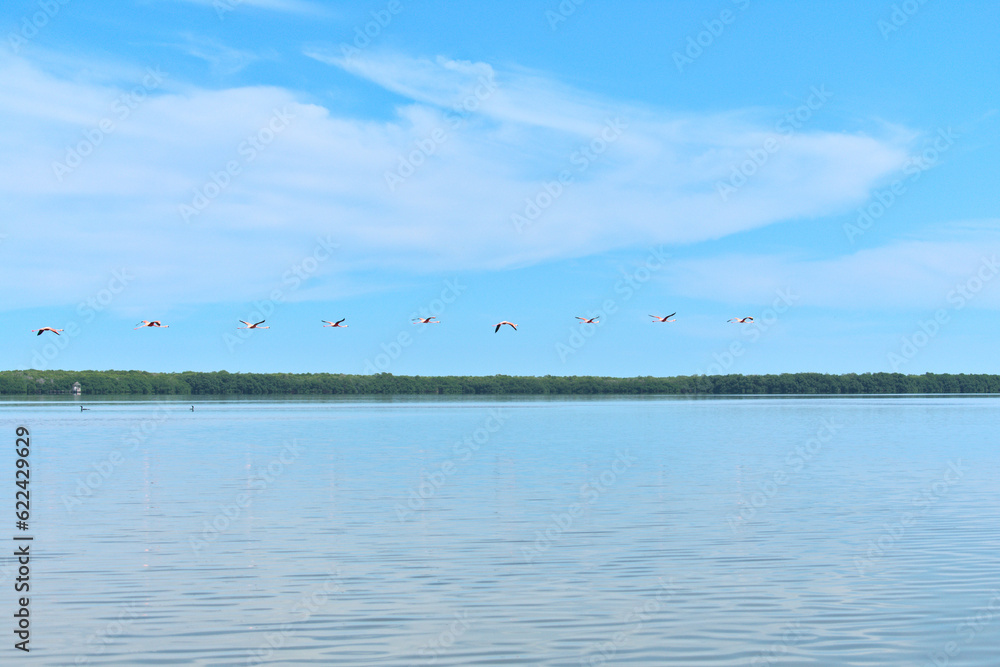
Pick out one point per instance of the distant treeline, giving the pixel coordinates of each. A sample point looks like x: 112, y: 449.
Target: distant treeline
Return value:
x: 32, y: 382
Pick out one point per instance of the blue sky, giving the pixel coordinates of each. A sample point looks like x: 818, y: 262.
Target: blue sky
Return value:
x: 829, y: 169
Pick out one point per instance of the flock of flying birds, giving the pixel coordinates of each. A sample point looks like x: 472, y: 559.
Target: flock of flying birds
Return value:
x: 144, y: 324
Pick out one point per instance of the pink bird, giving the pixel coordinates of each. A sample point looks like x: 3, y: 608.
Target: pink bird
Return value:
x: 154, y: 323
x: 741, y: 320
x: 592, y: 320
x: 664, y: 319
x: 253, y: 326
x: 336, y: 324
x: 426, y: 320
x: 55, y: 331
x: 510, y: 324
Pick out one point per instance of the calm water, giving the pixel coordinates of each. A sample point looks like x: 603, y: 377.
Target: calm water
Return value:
x: 782, y: 531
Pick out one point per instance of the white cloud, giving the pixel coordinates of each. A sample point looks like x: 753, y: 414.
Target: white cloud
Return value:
x: 223, y: 59
x: 322, y: 174
x: 917, y: 273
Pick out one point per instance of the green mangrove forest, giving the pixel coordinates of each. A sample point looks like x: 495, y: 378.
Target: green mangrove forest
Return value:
x: 107, y: 383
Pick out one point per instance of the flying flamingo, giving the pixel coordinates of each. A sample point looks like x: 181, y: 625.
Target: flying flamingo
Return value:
x: 55, y: 331
x: 154, y: 323
x: 665, y: 319
x: 511, y: 324
x: 425, y: 320
x: 592, y: 320
x: 334, y: 324
x: 253, y: 326
x: 741, y: 320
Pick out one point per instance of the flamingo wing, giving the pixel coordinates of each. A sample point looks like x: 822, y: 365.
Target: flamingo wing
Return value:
x: 498, y: 327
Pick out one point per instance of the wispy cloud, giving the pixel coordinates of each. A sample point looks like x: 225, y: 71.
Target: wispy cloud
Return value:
x: 324, y: 174
x: 919, y: 272
x: 223, y: 59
